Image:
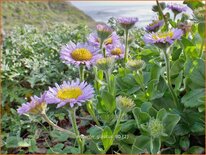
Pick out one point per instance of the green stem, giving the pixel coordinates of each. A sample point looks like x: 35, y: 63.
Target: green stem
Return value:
x: 126, y: 46
x: 167, y: 61
x: 81, y: 72
x: 107, y: 76
x: 175, y: 15
x: 117, y: 124
x: 115, y: 130
x: 140, y: 77
x: 161, y: 14
x: 201, y: 48
x: 92, y: 113
x: 71, y: 134
x: 72, y: 115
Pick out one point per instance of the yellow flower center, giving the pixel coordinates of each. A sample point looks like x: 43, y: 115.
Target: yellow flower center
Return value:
x: 38, y: 108
x: 108, y: 41
x: 69, y: 93
x: 163, y: 35
x: 81, y: 54
x: 116, y: 51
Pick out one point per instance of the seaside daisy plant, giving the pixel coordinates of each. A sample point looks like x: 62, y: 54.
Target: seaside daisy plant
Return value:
x: 163, y: 40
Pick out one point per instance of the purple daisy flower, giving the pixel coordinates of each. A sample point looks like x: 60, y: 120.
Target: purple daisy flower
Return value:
x: 177, y: 8
x: 94, y: 40
x: 35, y: 106
x: 155, y: 25
x: 74, y: 92
x: 117, y: 51
x: 161, y: 38
x: 78, y: 54
x: 127, y: 22
x: 103, y: 31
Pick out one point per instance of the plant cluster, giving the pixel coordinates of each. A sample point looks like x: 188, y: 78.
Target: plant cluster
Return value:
x: 136, y: 91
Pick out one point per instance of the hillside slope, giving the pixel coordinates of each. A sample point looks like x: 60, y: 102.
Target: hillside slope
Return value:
x: 42, y: 14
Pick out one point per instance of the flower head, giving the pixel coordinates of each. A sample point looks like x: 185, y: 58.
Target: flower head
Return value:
x: 105, y: 64
x: 163, y: 39
x: 124, y: 104
x: 177, y: 8
x: 127, y: 22
x: 103, y: 31
x: 136, y: 65
x: 112, y: 40
x: 155, y: 25
x: 37, y: 105
x: 200, y: 13
x: 185, y: 26
x: 78, y: 54
x: 155, y: 128
x: 74, y: 92
x: 116, y: 51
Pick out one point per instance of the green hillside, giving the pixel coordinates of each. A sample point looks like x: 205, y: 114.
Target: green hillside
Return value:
x: 42, y: 14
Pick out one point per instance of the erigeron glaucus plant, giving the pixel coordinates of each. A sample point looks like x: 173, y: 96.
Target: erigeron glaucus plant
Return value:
x: 140, y: 97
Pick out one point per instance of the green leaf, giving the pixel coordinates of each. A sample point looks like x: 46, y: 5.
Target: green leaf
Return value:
x: 141, y: 145
x: 129, y: 125
x: 161, y: 114
x: 170, y: 121
x: 156, y: 144
x: 140, y: 117
x: 106, y: 138
x: 184, y: 143
x: 195, y: 150
x: 108, y: 101
x: 193, y: 98
x: 197, y: 75
x: 201, y: 29
x: 12, y: 142
x: 59, y: 136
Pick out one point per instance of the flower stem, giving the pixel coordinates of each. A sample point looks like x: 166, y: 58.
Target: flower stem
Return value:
x: 81, y: 72
x: 202, y: 47
x: 72, y: 112
x: 71, y: 134
x: 126, y: 45
x: 167, y: 61
x: 107, y: 75
x: 117, y: 124
x: 161, y: 14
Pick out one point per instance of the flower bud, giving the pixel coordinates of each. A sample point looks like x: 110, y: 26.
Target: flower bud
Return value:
x: 103, y: 31
x: 155, y: 128
x: 105, y: 64
x: 135, y: 65
x: 124, y: 104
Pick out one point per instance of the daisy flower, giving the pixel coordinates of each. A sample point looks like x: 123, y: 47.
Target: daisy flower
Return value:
x: 177, y: 8
x: 74, y: 92
x: 155, y: 25
x: 117, y: 51
x: 94, y: 40
x: 163, y: 38
x: 78, y: 54
x: 35, y: 106
x: 127, y: 22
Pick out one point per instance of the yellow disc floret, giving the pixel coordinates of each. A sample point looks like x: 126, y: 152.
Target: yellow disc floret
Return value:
x: 81, y: 54
x: 163, y: 35
x: 108, y: 41
x: 69, y: 93
x: 116, y: 51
